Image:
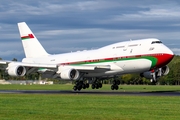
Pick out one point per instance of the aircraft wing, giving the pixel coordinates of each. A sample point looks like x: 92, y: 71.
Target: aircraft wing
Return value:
x: 13, y: 67
x: 36, y: 65
x: 51, y: 66
x: 63, y: 69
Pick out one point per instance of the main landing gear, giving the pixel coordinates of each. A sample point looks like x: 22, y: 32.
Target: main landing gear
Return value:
x: 79, y: 85
x: 96, y: 84
x: 115, y: 85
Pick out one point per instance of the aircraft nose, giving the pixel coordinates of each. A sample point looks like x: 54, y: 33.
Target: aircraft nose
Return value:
x: 165, y: 58
x: 170, y: 52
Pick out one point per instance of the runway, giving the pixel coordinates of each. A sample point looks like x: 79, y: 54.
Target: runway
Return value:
x: 153, y: 93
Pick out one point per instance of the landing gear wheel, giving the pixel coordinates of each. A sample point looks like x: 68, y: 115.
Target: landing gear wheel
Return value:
x: 116, y: 87
x: 112, y: 87
x: 97, y: 86
x: 87, y: 85
x: 115, y: 84
x: 93, y: 86
x: 75, y: 88
x: 100, y: 85
x: 96, y: 83
x: 84, y: 86
x: 118, y: 82
x: 79, y: 88
x: 80, y: 84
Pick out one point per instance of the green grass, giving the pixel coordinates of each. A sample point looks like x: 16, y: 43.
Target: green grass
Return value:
x: 89, y: 107
x: 80, y: 107
x: 123, y: 88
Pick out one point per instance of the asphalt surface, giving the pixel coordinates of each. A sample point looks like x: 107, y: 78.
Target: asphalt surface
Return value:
x: 153, y: 93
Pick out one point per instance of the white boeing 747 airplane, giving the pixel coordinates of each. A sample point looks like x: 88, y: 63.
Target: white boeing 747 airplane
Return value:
x: 149, y: 57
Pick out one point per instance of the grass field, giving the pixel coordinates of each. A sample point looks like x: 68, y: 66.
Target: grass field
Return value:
x: 96, y: 107
x: 123, y: 88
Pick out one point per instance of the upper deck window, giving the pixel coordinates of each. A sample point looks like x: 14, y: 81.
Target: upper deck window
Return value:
x: 156, y: 42
x: 132, y: 45
x: 120, y: 46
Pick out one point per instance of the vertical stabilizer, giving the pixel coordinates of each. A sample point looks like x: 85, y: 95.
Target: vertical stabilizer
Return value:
x: 31, y: 45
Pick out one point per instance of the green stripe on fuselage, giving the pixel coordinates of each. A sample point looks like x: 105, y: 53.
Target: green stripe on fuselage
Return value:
x: 151, y: 58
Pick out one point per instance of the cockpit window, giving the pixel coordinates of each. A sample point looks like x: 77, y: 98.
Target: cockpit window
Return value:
x: 156, y: 42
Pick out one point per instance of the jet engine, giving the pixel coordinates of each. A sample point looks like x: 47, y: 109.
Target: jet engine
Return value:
x: 154, y: 75
x: 16, y: 70
x: 69, y: 74
x: 164, y: 70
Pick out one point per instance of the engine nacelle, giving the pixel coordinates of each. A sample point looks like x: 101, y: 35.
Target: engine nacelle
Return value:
x: 165, y: 70
x: 16, y: 70
x: 147, y: 75
x: 69, y: 74
x: 156, y: 74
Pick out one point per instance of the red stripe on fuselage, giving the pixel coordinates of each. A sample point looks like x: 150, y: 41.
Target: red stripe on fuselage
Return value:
x: 109, y: 59
x: 162, y: 59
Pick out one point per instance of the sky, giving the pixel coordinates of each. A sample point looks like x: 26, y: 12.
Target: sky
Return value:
x: 71, y: 25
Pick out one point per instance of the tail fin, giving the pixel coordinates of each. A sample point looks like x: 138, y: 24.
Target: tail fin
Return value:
x: 31, y: 45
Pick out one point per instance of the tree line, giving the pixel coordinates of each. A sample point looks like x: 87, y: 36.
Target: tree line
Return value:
x: 173, y: 78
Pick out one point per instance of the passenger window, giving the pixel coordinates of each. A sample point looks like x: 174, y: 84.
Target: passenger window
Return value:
x: 152, y: 48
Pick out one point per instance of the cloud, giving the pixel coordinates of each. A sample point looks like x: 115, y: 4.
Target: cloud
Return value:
x: 11, y: 54
x: 176, y: 51
x: 63, y: 26
x: 153, y: 13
